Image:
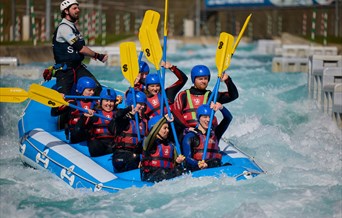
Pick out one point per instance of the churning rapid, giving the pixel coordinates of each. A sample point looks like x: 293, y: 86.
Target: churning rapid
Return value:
x: 274, y: 121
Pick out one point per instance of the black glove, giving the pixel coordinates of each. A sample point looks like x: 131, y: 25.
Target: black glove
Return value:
x: 99, y: 57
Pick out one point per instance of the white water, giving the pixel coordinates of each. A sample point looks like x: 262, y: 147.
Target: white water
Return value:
x: 274, y: 121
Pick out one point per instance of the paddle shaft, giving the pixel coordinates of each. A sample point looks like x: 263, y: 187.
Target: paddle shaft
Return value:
x: 130, y: 70
x: 136, y: 115
x: 211, y: 119
x: 162, y: 79
x: 86, y: 111
x: 169, y: 114
x: 82, y: 97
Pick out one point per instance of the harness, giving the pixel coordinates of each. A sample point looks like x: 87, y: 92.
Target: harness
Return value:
x: 212, y: 149
x: 153, y: 106
x: 128, y: 139
x: 63, y: 51
x: 76, y: 114
x: 100, y: 127
x: 193, y: 102
x: 162, y: 157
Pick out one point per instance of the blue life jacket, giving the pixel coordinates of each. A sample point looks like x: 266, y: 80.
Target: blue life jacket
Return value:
x: 64, y: 52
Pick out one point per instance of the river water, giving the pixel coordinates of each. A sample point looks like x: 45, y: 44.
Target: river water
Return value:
x: 274, y: 121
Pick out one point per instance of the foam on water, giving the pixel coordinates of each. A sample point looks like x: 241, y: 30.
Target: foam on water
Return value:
x: 274, y: 121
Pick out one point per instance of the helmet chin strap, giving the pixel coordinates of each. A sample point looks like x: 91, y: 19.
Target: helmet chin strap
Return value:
x: 161, y: 137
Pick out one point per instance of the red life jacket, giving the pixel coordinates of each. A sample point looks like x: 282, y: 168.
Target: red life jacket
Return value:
x: 192, y: 103
x: 212, y: 149
x: 128, y: 139
x: 100, y: 127
x: 76, y: 114
x: 153, y: 106
x: 163, y: 157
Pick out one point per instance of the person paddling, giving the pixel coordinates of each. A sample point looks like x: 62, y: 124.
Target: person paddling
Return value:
x: 127, y: 147
x: 194, y: 139
x: 68, y: 116
x: 153, y: 92
x: 101, y: 139
x: 160, y: 159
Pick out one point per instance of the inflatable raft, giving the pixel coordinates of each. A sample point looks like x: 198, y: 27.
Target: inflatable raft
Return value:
x: 43, y: 146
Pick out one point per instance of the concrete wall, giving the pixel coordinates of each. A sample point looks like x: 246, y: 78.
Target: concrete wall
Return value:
x: 28, y: 54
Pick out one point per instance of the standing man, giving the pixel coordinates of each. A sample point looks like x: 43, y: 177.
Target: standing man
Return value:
x: 69, y: 50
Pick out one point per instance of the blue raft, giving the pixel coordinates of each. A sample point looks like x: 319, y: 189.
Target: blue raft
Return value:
x: 43, y: 146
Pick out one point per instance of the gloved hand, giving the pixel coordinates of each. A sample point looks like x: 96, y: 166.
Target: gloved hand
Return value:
x: 47, y: 74
x: 99, y: 57
x: 118, y: 99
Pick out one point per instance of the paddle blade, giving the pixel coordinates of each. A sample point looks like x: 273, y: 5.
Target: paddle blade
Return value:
x: 13, y: 95
x: 150, y: 44
x: 224, y: 52
x: 151, y: 18
x: 129, y: 61
x: 46, y: 96
x: 241, y: 32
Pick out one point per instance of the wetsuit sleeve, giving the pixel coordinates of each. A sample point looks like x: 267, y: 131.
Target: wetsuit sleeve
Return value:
x: 177, y: 108
x: 56, y: 111
x: 230, y: 95
x: 222, y: 127
x: 187, y: 142
x: 172, y: 90
x: 178, y: 119
x: 85, y: 122
x: 120, y: 121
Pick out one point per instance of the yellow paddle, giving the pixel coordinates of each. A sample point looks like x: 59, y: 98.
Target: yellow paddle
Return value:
x: 52, y: 98
x: 18, y: 95
x: 223, y: 56
x: 129, y: 61
x: 241, y: 32
x: 13, y: 95
x: 151, y: 18
x: 130, y: 70
x: 150, y: 44
x: 224, y: 52
x: 153, y: 51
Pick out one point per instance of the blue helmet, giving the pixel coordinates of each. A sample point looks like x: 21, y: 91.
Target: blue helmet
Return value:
x: 85, y: 83
x: 152, y: 79
x: 153, y: 121
x: 143, y: 67
x: 203, y: 110
x: 108, y: 94
x: 140, y: 97
x: 199, y: 70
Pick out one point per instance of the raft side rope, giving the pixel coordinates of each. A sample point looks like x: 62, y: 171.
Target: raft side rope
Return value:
x: 96, y: 185
x: 226, y: 140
